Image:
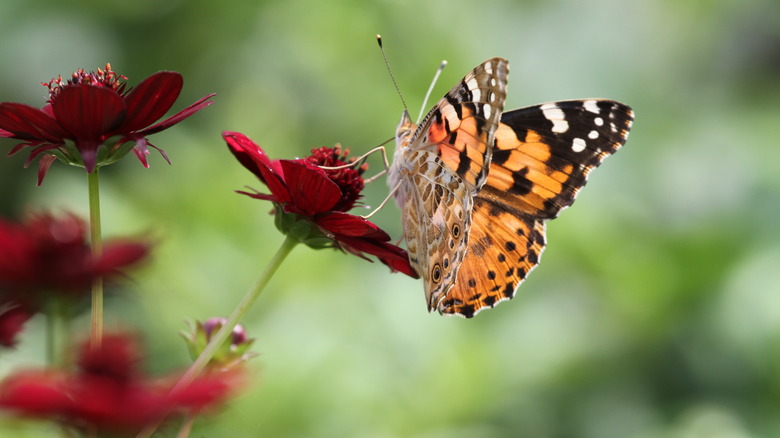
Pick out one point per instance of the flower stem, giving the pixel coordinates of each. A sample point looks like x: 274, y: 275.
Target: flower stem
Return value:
x: 238, y: 313
x: 96, y: 330
x: 51, y: 331
x: 186, y: 427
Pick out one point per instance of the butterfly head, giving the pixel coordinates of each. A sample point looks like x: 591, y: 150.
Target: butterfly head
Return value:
x: 405, y: 130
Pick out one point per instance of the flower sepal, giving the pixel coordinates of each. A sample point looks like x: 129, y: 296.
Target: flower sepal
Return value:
x: 109, y: 152
x: 112, y: 151
x: 301, y: 229
x: 68, y: 154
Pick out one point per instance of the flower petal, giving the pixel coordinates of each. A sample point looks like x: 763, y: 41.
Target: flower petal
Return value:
x: 311, y: 190
x: 251, y: 156
x: 338, y: 222
x: 12, y: 319
x: 43, y: 166
x: 394, y: 257
x: 35, y: 393
x: 178, y: 117
x: 28, y: 123
x: 118, y: 255
x: 88, y: 112
x: 151, y: 99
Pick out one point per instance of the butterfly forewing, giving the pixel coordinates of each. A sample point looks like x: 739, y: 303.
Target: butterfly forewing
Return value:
x: 543, y: 153
x: 440, y: 168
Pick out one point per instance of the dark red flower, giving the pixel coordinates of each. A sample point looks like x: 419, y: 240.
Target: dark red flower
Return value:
x: 48, y: 257
x: 108, y: 393
x: 312, y: 203
x: 91, y: 110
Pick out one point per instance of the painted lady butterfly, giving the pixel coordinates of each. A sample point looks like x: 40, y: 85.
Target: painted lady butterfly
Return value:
x: 476, y: 185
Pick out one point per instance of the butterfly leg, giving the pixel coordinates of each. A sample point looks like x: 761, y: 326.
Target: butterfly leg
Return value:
x: 359, y: 161
x: 382, y: 204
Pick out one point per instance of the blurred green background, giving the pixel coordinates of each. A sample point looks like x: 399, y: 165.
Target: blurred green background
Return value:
x: 655, y: 312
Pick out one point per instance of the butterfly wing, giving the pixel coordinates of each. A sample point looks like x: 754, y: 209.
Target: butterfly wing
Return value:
x: 541, y: 159
x: 439, y: 166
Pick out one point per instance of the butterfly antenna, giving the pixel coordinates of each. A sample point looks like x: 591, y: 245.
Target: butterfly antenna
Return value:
x: 392, y: 78
x: 430, y: 89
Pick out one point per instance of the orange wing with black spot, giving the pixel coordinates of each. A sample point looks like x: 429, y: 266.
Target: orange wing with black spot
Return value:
x: 541, y: 158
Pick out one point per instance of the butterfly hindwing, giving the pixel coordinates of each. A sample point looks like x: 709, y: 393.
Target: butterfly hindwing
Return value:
x: 503, y: 249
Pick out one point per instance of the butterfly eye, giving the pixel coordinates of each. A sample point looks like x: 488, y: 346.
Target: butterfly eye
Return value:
x: 455, y: 231
x: 436, y: 273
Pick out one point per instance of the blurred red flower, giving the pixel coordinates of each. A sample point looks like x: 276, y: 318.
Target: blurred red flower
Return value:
x: 48, y: 254
x: 312, y: 203
x: 48, y: 258
x: 108, y: 393
x: 93, y: 109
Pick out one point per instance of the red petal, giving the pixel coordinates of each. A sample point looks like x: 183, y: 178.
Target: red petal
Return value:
x: 35, y: 393
x: 11, y: 321
x: 43, y: 166
x: 256, y: 161
x: 28, y: 123
x: 87, y: 111
x: 394, y: 257
x: 262, y: 196
x: 117, y: 255
x: 311, y: 190
x: 151, y: 99
x: 338, y: 222
x: 249, y: 154
x: 178, y: 117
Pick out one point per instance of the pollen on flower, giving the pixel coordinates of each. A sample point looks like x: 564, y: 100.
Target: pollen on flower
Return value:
x: 349, y: 179
x: 101, y: 78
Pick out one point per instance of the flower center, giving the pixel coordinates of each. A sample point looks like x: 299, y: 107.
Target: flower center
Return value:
x: 101, y: 78
x: 349, y: 179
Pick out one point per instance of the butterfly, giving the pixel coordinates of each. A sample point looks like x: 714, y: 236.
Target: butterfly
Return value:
x: 476, y: 185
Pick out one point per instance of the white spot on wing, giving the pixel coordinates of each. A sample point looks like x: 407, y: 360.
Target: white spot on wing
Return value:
x: 591, y: 105
x: 599, y: 121
x: 487, y: 109
x: 476, y: 95
x: 555, y: 115
x: 593, y: 135
x: 578, y: 145
x: 473, y: 87
x: 489, y: 68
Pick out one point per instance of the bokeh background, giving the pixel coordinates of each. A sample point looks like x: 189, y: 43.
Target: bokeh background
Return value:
x: 655, y: 311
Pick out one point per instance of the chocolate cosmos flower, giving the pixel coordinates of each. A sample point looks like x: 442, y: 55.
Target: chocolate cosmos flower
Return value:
x: 47, y: 259
x: 108, y: 394
x: 312, y: 203
x: 91, y: 110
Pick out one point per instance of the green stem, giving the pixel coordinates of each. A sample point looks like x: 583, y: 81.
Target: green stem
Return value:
x: 96, y: 330
x: 238, y: 313
x: 51, y: 331
x: 186, y: 426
